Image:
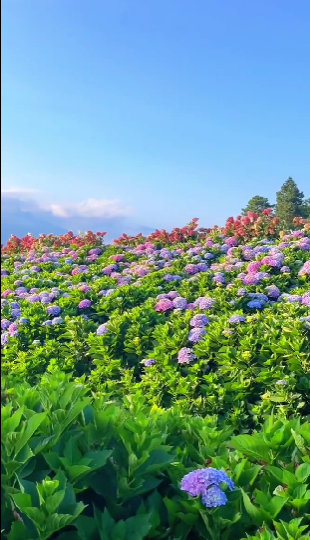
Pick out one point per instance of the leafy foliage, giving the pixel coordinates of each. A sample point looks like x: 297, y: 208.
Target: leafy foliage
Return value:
x: 108, y: 404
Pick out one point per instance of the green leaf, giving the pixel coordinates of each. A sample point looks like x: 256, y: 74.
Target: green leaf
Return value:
x: 87, y: 527
x: 12, y: 423
x: 137, y: 527
x: 248, y: 476
x: 282, y: 475
x: 257, y: 514
x: 275, y: 505
x: 32, y: 425
x: 18, y: 531
x: 252, y: 447
x: 158, y: 459
x: 302, y: 472
x: 22, y: 500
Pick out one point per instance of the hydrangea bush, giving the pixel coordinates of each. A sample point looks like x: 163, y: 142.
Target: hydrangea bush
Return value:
x: 158, y: 387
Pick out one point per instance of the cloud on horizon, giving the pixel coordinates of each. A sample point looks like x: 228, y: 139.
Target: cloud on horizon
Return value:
x: 23, y: 211
x: 94, y: 208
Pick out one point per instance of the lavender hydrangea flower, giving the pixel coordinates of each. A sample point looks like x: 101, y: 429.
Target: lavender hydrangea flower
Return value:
x: 57, y: 320
x: 235, y: 319
x: 242, y: 292
x: 85, y: 304
x: 4, y: 338
x: 53, y: 310
x: 273, y: 291
x: 196, y: 334
x: 214, y: 497
x: 281, y: 382
x: 293, y: 298
x: 185, y: 355
x: 13, y: 330
x: 5, y: 324
x: 204, y: 302
x: 205, y: 483
x: 199, y: 321
x: 179, y: 303
x: 149, y: 362
x: 102, y: 329
x: 219, y: 278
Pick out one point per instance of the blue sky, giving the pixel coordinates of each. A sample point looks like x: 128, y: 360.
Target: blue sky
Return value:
x: 175, y: 109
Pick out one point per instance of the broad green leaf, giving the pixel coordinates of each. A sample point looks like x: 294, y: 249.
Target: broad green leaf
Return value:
x: 252, y: 447
x: 31, y: 427
x: 157, y: 460
x: 257, y: 514
x: 302, y: 472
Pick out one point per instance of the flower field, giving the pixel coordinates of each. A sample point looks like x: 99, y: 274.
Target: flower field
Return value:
x: 157, y: 388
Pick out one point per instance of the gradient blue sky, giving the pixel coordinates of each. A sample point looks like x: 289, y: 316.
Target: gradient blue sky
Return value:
x: 177, y: 108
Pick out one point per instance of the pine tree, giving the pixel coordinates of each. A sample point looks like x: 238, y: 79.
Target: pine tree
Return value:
x: 290, y: 203
x: 257, y: 204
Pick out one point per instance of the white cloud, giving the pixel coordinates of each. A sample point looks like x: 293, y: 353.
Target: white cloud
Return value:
x: 15, y: 191
x: 99, y: 208
x: 32, y: 199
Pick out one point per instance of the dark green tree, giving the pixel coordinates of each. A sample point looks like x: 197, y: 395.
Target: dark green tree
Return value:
x: 257, y: 204
x: 290, y: 203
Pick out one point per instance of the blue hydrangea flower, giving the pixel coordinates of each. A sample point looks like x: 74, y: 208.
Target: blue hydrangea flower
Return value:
x: 235, y: 319
x: 149, y: 362
x: 256, y: 304
x: 53, y: 310
x: 199, y: 482
x: 196, y: 334
x: 214, y: 497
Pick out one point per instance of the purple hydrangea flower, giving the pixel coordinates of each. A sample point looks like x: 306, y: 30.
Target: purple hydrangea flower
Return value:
x: 293, y: 298
x: 242, y: 292
x: 185, y: 356
x: 149, y: 362
x: 306, y: 299
x: 13, y: 330
x: 4, y: 338
x: 53, y: 310
x: 219, y: 278
x: 281, y: 383
x: 199, y: 321
x: 23, y: 320
x: 191, y: 269
x: 57, y: 320
x: 198, y: 482
x: 285, y: 269
x: 102, y: 329
x: 179, y: 303
x: 171, y: 295
x: 204, y: 302
x: 196, y: 334
x: 235, y: 319
x: 85, y: 304
x: 5, y: 324
x: 164, y: 304
x: 273, y: 291
x: 202, y: 267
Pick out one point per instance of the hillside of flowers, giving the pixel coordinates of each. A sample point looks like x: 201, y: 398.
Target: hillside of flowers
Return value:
x: 159, y: 387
